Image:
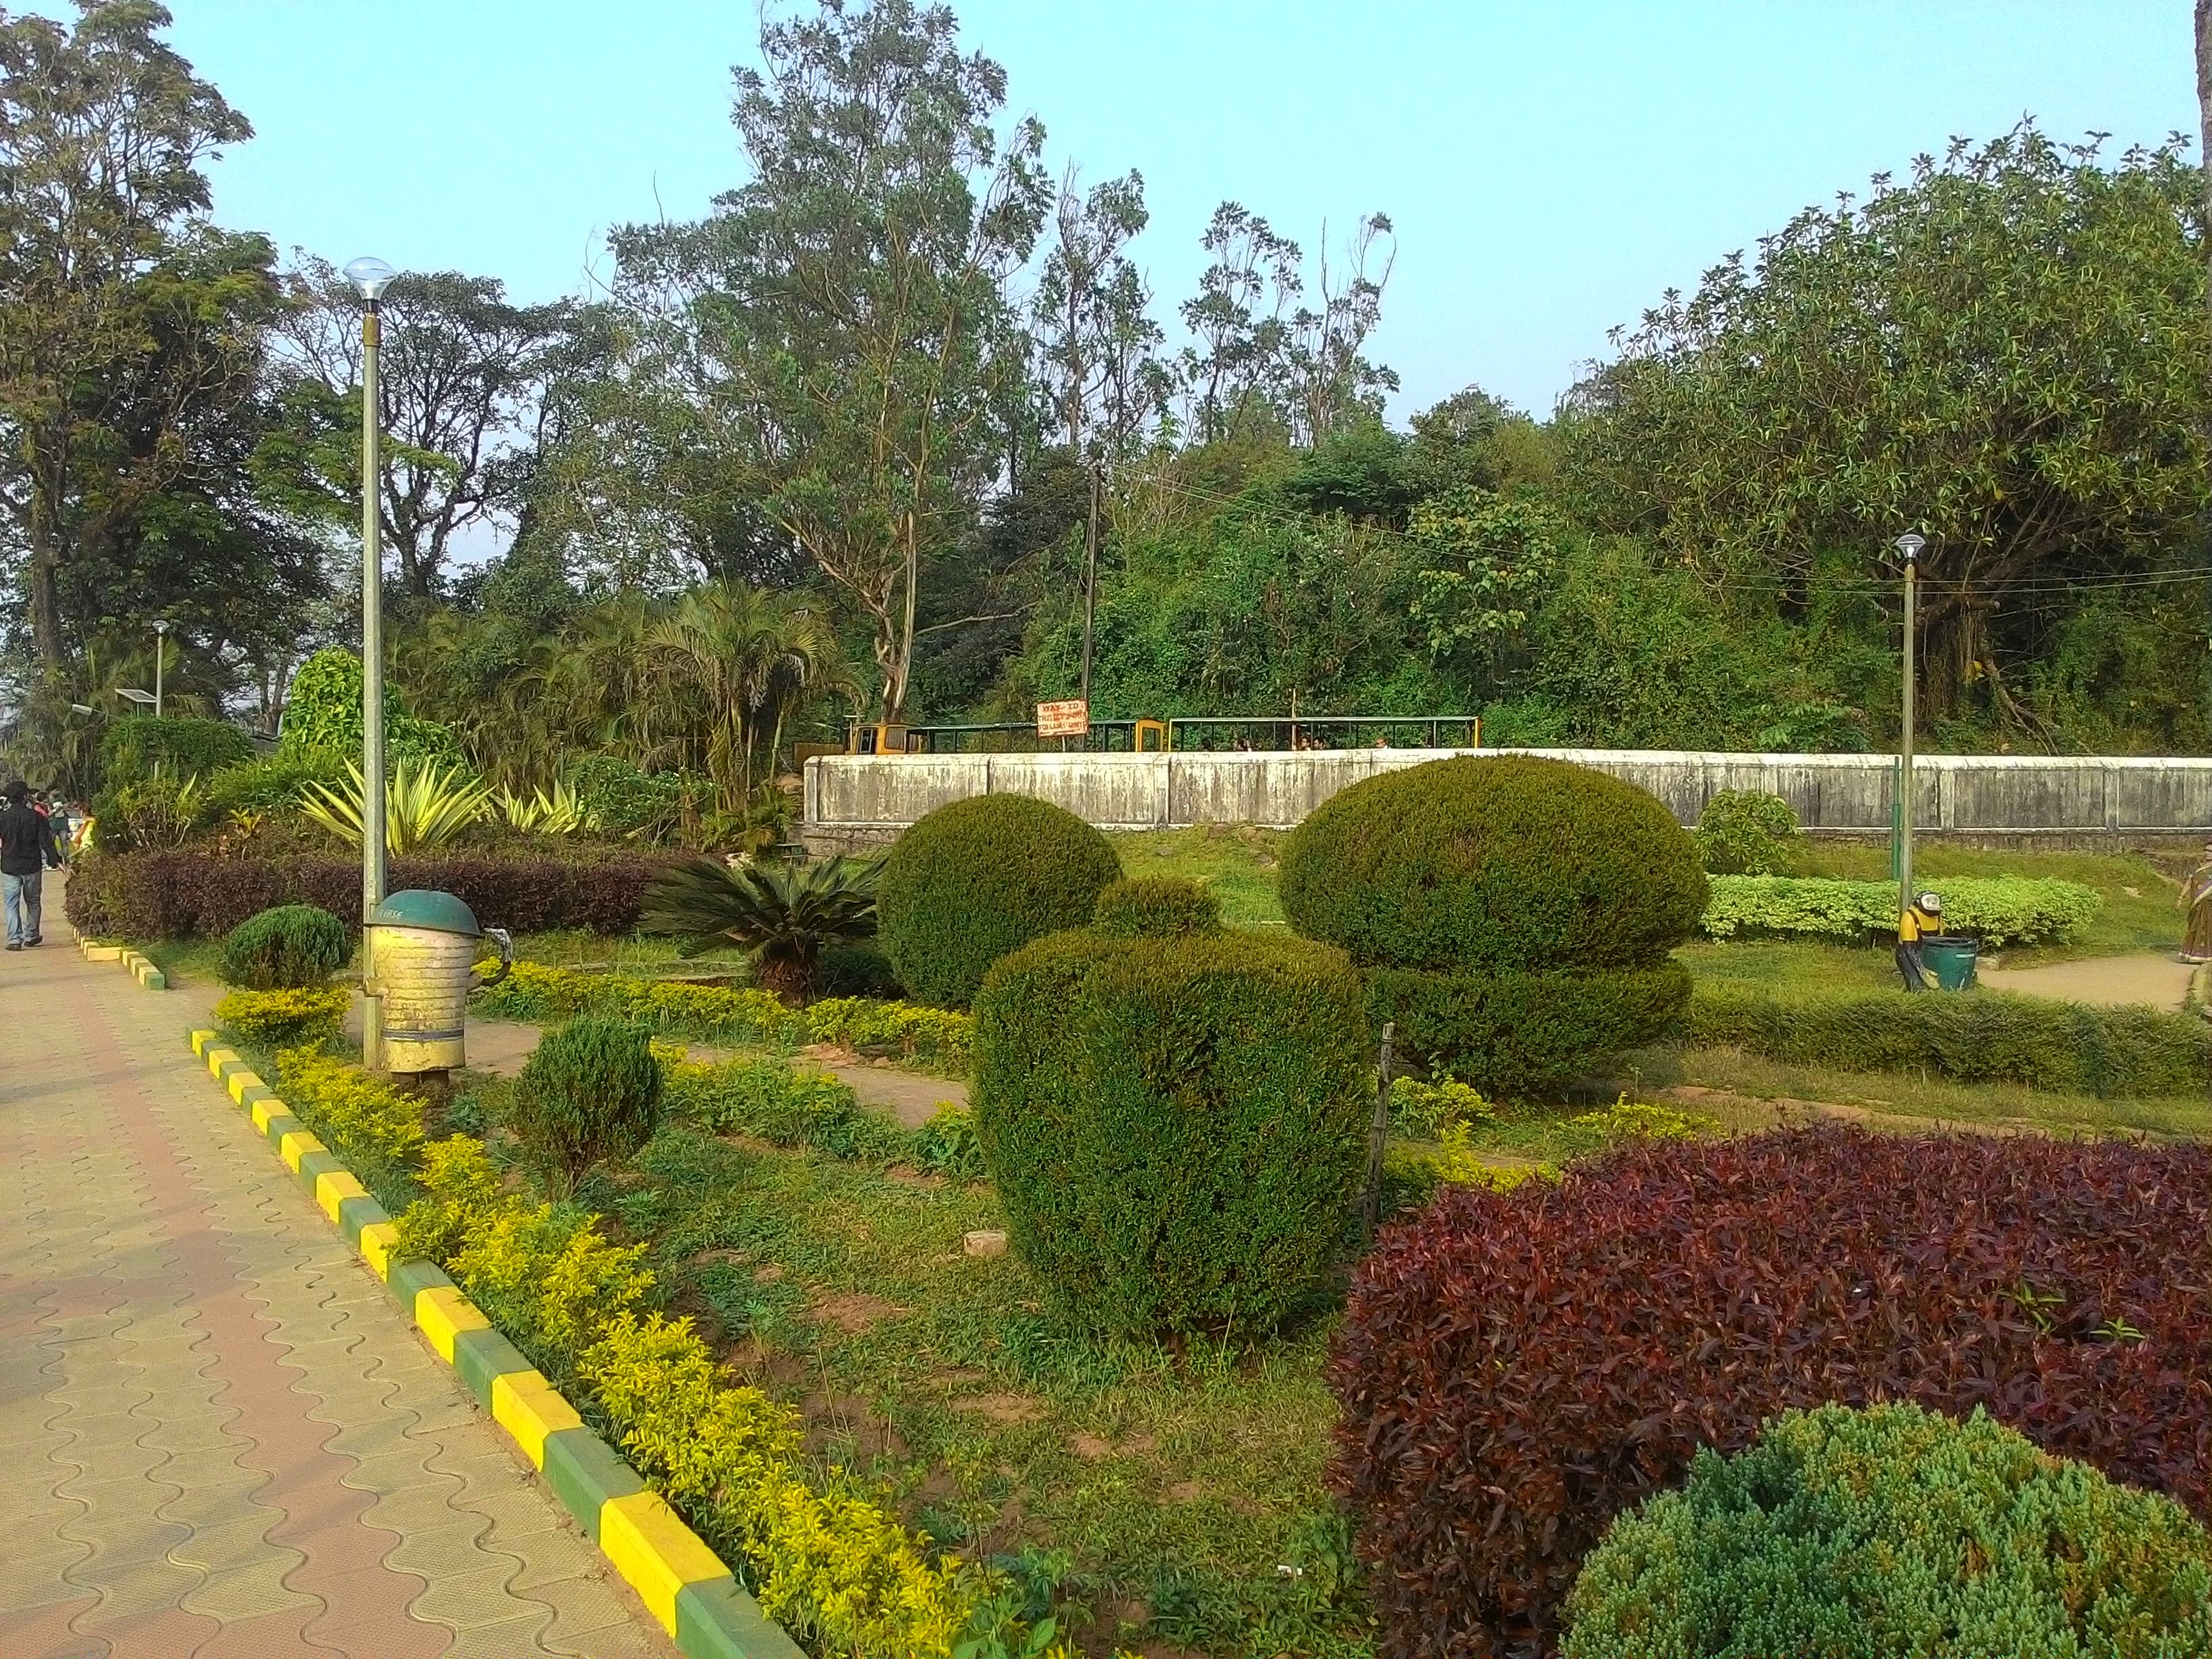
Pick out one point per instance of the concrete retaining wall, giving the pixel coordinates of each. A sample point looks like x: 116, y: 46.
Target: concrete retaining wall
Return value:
x: 856, y: 798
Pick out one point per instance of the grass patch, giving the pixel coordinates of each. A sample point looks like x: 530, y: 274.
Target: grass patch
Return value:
x: 187, y: 961
x: 1790, y: 964
x: 1236, y: 860
x: 630, y: 953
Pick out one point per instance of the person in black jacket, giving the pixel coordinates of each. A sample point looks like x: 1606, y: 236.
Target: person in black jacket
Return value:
x: 27, y: 851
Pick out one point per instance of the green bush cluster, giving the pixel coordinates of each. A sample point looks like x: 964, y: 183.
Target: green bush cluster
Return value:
x: 288, y: 946
x: 1155, y: 907
x: 1987, y: 1037
x: 1176, y: 1128
x: 1861, y: 1535
x: 1747, y: 832
x: 135, y: 747
x: 1514, y: 914
x: 1999, y: 909
x: 589, y: 1094
x: 977, y: 878
x: 322, y: 716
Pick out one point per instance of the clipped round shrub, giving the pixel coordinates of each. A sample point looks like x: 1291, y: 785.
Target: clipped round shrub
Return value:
x: 1511, y: 864
x: 977, y: 878
x: 1894, y: 1530
x: 1177, y: 1127
x: 1518, y: 1034
x: 1155, y: 907
x: 289, y: 947
x: 589, y: 1095
x: 1747, y: 832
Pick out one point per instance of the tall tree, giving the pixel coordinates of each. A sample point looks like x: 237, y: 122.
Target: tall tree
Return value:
x: 2006, y: 353
x: 845, y: 311
x: 460, y: 378
x: 131, y: 327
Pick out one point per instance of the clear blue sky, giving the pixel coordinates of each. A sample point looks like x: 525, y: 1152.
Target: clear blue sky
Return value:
x: 1552, y: 165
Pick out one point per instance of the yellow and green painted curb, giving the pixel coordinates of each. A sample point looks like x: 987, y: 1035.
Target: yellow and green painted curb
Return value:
x: 136, y: 962
x: 697, y: 1598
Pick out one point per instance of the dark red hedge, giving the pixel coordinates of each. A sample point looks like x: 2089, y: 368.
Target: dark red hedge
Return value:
x: 1515, y: 1369
x: 147, y: 896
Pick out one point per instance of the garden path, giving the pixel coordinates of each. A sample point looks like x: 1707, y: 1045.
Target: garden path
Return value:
x: 222, y: 1437
x: 2148, y: 976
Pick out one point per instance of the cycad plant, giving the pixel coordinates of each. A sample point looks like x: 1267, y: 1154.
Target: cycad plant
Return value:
x: 425, y: 806
x: 783, y: 915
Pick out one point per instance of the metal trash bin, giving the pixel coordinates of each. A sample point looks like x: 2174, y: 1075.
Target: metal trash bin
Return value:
x: 419, y: 963
x: 1951, y: 957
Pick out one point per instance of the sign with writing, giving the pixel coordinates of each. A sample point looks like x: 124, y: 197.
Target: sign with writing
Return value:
x: 1071, y: 719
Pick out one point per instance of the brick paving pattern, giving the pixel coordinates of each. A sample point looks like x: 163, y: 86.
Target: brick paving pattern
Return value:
x: 222, y: 1440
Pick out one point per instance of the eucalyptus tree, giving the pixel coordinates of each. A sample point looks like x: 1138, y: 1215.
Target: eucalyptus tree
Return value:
x: 840, y: 325
x: 2006, y: 352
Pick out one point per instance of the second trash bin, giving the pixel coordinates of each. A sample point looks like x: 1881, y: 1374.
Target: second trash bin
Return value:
x: 1951, y: 957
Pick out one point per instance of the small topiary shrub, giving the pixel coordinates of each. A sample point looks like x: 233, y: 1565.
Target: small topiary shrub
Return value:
x: 978, y: 878
x: 291, y: 946
x: 1176, y: 1128
x: 589, y: 1095
x: 1515, y: 913
x: 1155, y: 907
x: 1747, y: 832
x: 1516, y: 1369
x: 1895, y: 1531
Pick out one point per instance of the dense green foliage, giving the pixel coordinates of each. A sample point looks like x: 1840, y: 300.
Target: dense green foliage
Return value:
x: 1982, y: 1036
x: 1513, y: 864
x: 1515, y: 1035
x: 979, y: 878
x: 185, y: 746
x: 1175, y: 1127
x: 589, y: 1094
x: 288, y: 945
x: 1997, y: 909
x: 784, y: 915
x: 323, y: 716
x: 1861, y: 1535
x: 1155, y: 907
x: 1743, y: 832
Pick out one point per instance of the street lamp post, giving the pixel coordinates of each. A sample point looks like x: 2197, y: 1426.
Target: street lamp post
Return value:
x: 370, y: 277
x: 160, y: 640
x: 1909, y: 545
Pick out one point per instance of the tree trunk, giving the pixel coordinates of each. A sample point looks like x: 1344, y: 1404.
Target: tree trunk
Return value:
x: 45, y: 536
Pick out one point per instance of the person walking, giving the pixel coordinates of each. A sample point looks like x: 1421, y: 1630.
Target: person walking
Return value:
x: 2195, y: 901
x: 27, y: 851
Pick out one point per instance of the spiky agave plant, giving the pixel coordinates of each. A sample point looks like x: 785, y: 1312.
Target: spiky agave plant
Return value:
x: 424, y: 805
x: 782, y: 914
x: 560, y: 813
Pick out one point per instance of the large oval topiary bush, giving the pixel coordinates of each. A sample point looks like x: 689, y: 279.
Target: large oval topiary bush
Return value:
x: 1516, y: 913
x: 1177, y: 1127
x: 1894, y: 1530
x: 980, y: 878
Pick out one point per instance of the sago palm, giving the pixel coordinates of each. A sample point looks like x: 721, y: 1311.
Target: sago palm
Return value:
x: 425, y: 806
x: 783, y: 915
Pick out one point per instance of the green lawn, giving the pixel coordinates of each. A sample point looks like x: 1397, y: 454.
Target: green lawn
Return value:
x: 1235, y: 859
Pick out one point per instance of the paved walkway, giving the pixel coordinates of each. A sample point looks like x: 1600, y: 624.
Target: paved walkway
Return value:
x: 220, y: 1438
x: 2152, y: 978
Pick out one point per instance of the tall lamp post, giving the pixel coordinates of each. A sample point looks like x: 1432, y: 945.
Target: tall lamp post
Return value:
x: 370, y: 277
x: 160, y: 643
x: 1909, y: 545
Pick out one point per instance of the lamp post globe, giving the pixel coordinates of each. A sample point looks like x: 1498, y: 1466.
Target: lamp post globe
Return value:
x: 370, y: 277
x: 1910, y: 545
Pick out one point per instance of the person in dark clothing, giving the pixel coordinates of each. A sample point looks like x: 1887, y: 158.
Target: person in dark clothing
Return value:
x: 27, y: 851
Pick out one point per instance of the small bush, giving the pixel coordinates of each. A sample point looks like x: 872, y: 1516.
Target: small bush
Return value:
x: 1985, y: 1036
x: 1516, y: 1036
x: 1746, y: 832
x: 1507, y: 865
x: 1176, y: 1128
x: 1515, y: 1369
x: 980, y: 878
x: 783, y: 1104
x: 180, y: 746
x: 1893, y: 1531
x: 272, y: 786
x: 857, y: 968
x: 291, y: 1018
x: 1997, y: 909
x: 291, y: 945
x: 351, y: 1110
x: 589, y: 1095
x: 1155, y: 907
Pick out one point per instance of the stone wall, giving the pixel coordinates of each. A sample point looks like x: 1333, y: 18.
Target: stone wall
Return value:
x: 856, y: 799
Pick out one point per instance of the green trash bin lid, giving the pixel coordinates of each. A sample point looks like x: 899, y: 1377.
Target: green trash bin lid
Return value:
x: 440, y: 913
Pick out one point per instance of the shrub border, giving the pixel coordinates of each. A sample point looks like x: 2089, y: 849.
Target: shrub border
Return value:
x: 687, y: 1588
x: 135, y: 963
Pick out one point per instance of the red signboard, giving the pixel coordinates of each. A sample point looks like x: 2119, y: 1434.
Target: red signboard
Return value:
x: 1071, y: 719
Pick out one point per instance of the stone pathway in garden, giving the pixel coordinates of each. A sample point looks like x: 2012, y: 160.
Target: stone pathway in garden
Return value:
x: 2148, y: 977
x: 222, y: 1437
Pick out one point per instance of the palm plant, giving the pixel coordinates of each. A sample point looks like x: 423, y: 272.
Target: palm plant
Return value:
x: 783, y: 915
x: 425, y: 806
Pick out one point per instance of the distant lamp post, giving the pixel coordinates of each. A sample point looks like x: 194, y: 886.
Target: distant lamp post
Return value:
x: 1908, y: 545
x: 370, y: 277
x: 160, y: 649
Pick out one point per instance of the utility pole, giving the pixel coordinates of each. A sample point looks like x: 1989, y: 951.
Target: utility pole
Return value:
x: 370, y: 277
x: 1910, y: 545
x: 160, y: 643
